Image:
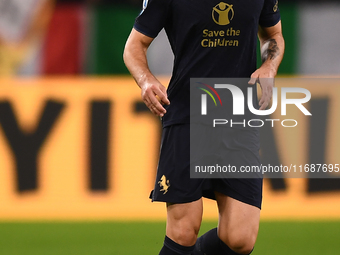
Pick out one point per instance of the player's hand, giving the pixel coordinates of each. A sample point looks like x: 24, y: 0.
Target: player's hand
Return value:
x: 154, y: 96
x: 266, y: 80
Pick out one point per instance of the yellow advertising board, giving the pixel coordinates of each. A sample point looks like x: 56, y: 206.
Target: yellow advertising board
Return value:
x: 86, y: 148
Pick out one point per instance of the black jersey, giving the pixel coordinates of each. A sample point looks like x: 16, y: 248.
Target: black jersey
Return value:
x: 209, y: 38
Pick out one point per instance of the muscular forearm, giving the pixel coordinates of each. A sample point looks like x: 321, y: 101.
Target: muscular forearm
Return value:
x: 153, y: 92
x: 272, y: 50
x: 136, y: 61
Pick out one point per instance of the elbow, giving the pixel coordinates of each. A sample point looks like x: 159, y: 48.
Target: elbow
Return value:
x: 125, y: 54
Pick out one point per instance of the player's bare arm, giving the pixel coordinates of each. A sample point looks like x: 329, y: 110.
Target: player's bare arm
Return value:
x: 272, y: 50
x: 153, y: 92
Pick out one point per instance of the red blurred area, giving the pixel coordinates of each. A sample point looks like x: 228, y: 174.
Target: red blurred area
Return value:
x: 63, y: 39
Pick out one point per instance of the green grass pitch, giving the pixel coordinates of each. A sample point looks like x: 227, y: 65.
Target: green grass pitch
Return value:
x: 125, y: 238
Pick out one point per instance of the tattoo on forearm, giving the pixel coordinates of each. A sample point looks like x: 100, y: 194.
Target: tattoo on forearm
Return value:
x: 271, y: 50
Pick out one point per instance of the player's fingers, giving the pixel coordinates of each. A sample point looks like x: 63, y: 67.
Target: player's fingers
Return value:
x: 151, y: 107
x: 154, y: 105
x: 264, y: 101
x: 263, y: 104
x: 154, y: 110
x: 164, y: 97
x: 156, y: 97
x: 266, y: 95
x: 157, y: 105
x: 161, y: 95
x: 253, y: 78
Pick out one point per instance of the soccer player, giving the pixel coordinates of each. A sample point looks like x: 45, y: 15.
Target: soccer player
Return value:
x: 209, y: 38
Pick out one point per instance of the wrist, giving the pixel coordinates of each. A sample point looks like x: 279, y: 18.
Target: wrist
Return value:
x: 144, y: 80
x: 270, y: 67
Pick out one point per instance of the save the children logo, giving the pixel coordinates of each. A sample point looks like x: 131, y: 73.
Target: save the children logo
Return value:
x: 221, y: 36
x: 222, y: 13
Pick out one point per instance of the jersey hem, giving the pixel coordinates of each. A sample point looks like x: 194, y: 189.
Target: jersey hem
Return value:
x: 269, y: 24
x: 175, y: 122
x: 141, y: 29
x: 209, y: 194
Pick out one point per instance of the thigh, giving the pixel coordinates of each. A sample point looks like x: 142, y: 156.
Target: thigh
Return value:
x: 238, y: 222
x: 184, y: 221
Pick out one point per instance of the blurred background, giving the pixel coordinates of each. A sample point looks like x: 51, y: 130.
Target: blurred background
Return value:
x: 78, y: 148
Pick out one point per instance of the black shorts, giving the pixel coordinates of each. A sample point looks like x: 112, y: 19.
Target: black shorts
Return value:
x: 173, y: 182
